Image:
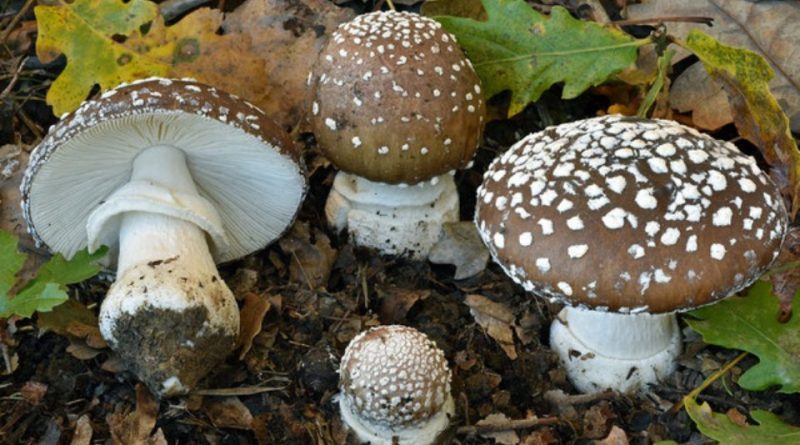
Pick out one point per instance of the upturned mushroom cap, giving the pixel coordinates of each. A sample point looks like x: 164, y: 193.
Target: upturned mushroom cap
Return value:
x: 629, y: 214
x: 395, y: 99
x: 393, y: 378
x: 243, y: 164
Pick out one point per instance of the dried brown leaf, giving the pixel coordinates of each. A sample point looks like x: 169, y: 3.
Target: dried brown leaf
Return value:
x: 768, y: 28
x: 312, y: 256
x: 136, y: 427
x: 461, y: 246
x: 251, y: 316
x: 80, y: 350
x: 228, y: 412
x: 496, y: 319
x: 83, y: 431
x: 288, y: 35
x: 616, y: 436
x: 33, y: 392
x: 396, y: 302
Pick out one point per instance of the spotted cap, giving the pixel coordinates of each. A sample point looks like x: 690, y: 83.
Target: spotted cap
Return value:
x: 394, y: 376
x: 241, y: 161
x: 395, y: 99
x: 627, y: 214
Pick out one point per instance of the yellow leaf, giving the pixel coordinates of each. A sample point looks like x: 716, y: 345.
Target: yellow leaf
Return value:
x: 105, y: 45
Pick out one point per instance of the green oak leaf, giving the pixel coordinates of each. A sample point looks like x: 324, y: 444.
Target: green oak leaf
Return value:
x: 770, y: 429
x: 521, y: 50
x: 750, y: 324
x: 48, y: 288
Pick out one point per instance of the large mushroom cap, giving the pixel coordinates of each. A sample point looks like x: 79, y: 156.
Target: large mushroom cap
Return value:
x: 241, y: 162
x: 630, y: 214
x: 394, y: 376
x: 395, y: 99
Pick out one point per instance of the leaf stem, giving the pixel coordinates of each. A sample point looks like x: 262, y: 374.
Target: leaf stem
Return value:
x: 635, y: 43
x: 390, y: 4
x: 707, y: 382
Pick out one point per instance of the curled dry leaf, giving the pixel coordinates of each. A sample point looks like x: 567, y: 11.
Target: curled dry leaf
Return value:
x: 496, y: 319
x: 228, y: 412
x: 396, y: 302
x: 83, y: 431
x: 251, y: 316
x: 616, y: 436
x: 288, y: 35
x: 312, y: 256
x: 768, y: 28
x: 13, y: 160
x: 461, y: 246
x: 134, y: 428
x: 33, y: 392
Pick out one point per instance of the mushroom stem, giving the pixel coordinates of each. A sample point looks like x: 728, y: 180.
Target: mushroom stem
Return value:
x: 396, y: 219
x: 169, y: 315
x: 624, y: 352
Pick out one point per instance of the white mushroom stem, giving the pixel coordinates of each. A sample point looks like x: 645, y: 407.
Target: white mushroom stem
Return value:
x: 394, y: 219
x: 624, y: 352
x: 424, y: 433
x: 164, y: 262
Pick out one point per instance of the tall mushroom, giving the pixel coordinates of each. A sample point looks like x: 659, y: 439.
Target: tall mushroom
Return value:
x: 395, y: 387
x: 173, y: 175
x: 397, y: 106
x: 629, y: 220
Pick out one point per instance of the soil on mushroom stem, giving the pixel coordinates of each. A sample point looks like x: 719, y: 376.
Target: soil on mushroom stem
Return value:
x: 306, y: 330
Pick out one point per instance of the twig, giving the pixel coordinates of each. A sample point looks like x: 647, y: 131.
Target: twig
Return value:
x: 560, y: 398
x: 390, y: 4
x: 506, y: 425
x: 11, y: 83
x: 708, y: 21
x: 15, y: 21
x: 238, y: 391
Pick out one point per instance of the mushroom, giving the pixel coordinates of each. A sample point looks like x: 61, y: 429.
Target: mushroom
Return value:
x: 397, y: 108
x: 629, y: 220
x: 173, y: 175
x: 395, y: 387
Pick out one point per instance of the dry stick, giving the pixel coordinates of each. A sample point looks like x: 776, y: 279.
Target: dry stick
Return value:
x: 390, y: 4
x: 506, y: 425
x: 708, y: 21
x: 15, y: 21
x: 707, y: 382
x: 560, y: 398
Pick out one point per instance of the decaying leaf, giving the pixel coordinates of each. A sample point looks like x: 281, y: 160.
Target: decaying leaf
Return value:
x: 750, y: 324
x: 496, y: 319
x: 228, y: 412
x: 472, y: 9
x: 460, y: 245
x: 521, y: 50
x: 616, y: 436
x: 251, y: 316
x: 105, y: 46
x: 288, y: 35
x: 312, y: 256
x: 757, y: 115
x: 135, y: 427
x: 77, y: 322
x: 768, y: 28
x: 83, y: 431
x: 786, y: 278
x: 13, y: 160
x: 396, y: 302
x: 770, y: 429
x: 33, y: 392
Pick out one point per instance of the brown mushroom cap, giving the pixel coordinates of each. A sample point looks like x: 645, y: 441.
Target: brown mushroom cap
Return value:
x: 630, y: 215
x: 241, y: 161
x: 395, y: 99
x: 394, y: 376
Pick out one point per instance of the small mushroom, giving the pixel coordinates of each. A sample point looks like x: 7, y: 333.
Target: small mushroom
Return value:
x: 395, y: 387
x: 397, y: 108
x: 629, y: 220
x: 173, y: 175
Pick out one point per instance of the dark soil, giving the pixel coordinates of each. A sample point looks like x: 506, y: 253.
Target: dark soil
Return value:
x: 294, y: 357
